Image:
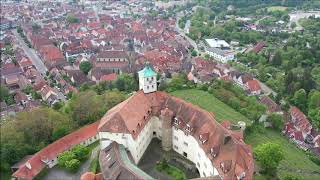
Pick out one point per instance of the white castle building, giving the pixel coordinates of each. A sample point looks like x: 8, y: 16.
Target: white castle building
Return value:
x: 181, y: 126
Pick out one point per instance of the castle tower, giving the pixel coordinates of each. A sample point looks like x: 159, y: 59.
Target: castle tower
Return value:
x: 147, y: 79
x: 166, y: 117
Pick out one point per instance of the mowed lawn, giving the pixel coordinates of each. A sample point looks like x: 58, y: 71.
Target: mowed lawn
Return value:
x: 295, y: 162
x: 210, y: 103
x: 277, y: 8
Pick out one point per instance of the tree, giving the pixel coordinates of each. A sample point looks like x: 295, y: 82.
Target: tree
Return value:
x: 314, y: 101
x: 85, y: 67
x: 276, y: 120
x: 73, y: 165
x: 277, y: 59
x: 85, y: 107
x: 64, y: 157
x: 300, y: 99
x: 72, y: 19
x: 4, y: 92
x: 293, y: 25
x: 178, y: 81
x: 81, y: 152
x: 314, y: 115
x: 194, y: 53
x: 126, y: 82
x: 269, y: 155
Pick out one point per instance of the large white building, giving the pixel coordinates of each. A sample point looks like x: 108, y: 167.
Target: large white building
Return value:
x: 221, y: 55
x: 187, y: 129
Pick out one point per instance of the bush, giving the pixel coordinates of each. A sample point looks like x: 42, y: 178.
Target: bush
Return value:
x: 73, y: 165
x: 71, y: 159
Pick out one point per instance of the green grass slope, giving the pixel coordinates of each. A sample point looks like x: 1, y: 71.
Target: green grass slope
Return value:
x: 296, y: 161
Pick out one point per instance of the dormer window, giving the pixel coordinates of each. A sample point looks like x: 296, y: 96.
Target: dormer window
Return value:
x: 188, y: 128
x: 176, y: 121
x: 241, y: 176
x: 203, y: 138
x: 214, y: 151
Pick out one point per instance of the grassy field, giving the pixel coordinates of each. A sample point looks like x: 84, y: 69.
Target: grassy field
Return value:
x: 277, y: 8
x: 296, y: 161
x: 212, y: 104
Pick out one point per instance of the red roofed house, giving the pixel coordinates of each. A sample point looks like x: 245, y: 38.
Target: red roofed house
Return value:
x: 258, y: 47
x: 109, y: 77
x: 52, y: 56
x: 253, y: 87
x: 300, y: 121
x: 48, y: 156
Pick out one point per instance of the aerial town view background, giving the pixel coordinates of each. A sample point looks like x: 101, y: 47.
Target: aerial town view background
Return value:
x: 160, y: 89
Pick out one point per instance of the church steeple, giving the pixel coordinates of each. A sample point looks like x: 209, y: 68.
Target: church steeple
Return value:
x: 147, y: 79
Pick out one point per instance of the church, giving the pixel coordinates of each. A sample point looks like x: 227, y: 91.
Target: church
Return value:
x: 215, y: 149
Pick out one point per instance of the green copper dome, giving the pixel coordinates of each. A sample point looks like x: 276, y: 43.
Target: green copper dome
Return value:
x: 147, y: 72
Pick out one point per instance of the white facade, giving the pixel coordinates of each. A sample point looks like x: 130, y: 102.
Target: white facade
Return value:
x: 148, y: 84
x: 221, y: 56
x: 186, y: 145
x: 147, y: 80
x: 136, y: 146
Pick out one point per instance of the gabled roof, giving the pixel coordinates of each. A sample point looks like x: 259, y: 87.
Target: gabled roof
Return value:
x: 52, y: 151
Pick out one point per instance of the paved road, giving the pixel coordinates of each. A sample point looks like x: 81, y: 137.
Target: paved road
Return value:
x: 57, y: 173
x: 181, y: 32
x: 36, y: 61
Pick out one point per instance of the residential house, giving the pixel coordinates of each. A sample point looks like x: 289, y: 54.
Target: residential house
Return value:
x: 300, y: 121
x: 271, y: 105
x: 52, y: 56
x: 48, y: 94
x: 253, y: 87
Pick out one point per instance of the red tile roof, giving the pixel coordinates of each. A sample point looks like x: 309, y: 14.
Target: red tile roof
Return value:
x: 300, y: 120
x: 52, y: 151
x: 109, y: 77
x: 253, y: 85
x: 258, y: 47
x: 51, y: 53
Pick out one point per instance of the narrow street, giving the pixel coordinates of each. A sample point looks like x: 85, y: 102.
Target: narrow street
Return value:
x: 181, y: 32
x: 37, y: 62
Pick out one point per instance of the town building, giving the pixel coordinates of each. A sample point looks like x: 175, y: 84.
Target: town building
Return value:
x: 220, y: 55
x: 217, y: 43
x: 185, y: 128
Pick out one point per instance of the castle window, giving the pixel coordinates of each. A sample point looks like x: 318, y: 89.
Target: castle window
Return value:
x: 151, y: 78
x: 175, y: 147
x: 176, y: 138
x: 147, y: 79
x: 147, y: 87
x: 185, y: 143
